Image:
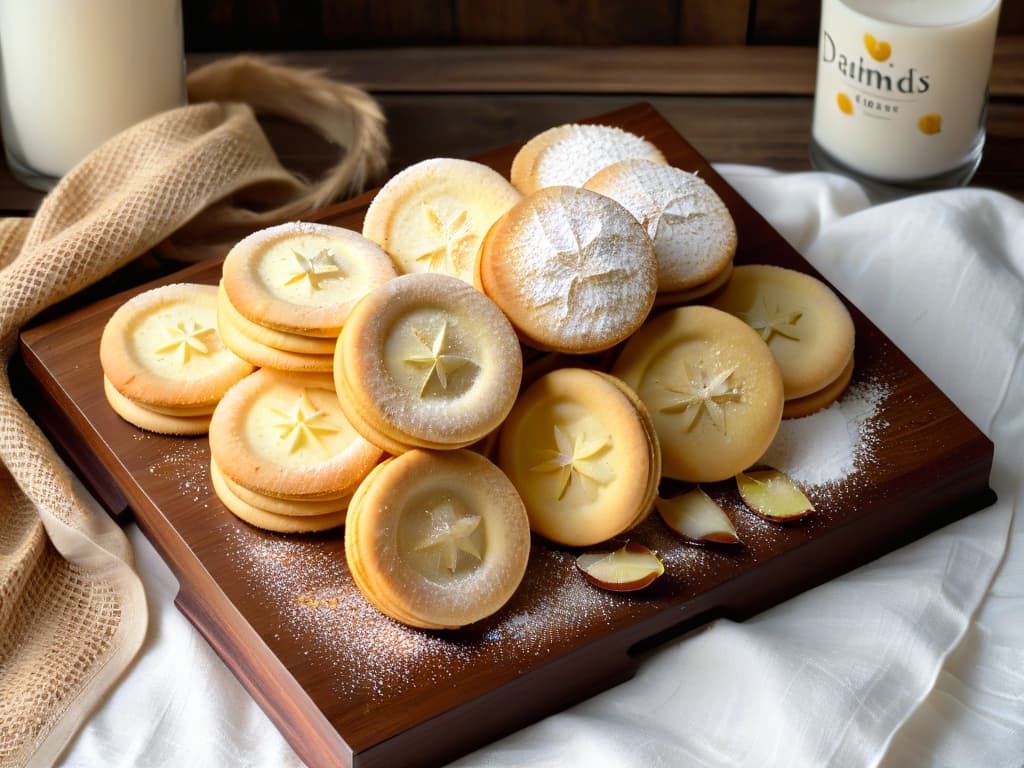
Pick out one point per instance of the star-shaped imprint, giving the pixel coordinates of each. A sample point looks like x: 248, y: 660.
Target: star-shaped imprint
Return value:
x: 575, y: 264
x: 186, y: 338
x: 450, y: 533
x: 321, y: 267
x: 439, y: 364
x: 703, y: 392
x: 769, y: 324
x: 575, y: 458
x: 456, y: 246
x: 676, y: 212
x: 304, y: 424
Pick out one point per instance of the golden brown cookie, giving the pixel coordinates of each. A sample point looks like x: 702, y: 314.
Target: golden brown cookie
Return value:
x: 303, y: 278
x: 582, y: 452
x: 437, y: 539
x: 572, y: 269
x: 427, y: 361
x: 264, y: 356
x: 161, y: 353
x: 285, y: 435
x: 692, y: 230
x: 299, y: 522
x: 431, y: 216
x: 823, y: 398
x: 806, y: 326
x: 152, y: 420
x: 570, y: 154
x: 712, y: 388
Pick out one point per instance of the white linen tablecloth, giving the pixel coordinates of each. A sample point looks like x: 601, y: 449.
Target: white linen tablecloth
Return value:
x: 916, y: 659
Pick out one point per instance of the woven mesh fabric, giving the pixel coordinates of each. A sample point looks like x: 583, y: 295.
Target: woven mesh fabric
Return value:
x: 72, y: 610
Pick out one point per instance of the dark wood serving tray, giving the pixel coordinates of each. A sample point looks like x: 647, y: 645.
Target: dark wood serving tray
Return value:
x: 349, y: 687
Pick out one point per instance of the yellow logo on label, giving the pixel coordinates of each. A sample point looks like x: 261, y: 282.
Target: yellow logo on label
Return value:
x: 930, y: 124
x: 878, y: 49
x: 845, y: 105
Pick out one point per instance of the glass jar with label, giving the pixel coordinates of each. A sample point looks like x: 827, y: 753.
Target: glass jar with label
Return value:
x: 902, y: 88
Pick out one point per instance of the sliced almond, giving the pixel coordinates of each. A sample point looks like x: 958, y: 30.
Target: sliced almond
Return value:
x: 773, y: 495
x: 697, y: 517
x: 630, y: 567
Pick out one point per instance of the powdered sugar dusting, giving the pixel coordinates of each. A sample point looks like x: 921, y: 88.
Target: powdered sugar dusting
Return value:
x: 827, y: 447
x: 577, y: 152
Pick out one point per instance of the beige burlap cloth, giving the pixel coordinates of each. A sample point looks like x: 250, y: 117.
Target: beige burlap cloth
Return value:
x: 72, y: 610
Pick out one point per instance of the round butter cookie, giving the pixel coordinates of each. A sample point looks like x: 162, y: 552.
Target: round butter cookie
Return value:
x: 823, y: 398
x: 431, y: 216
x: 693, y: 232
x: 571, y: 154
x: 427, y: 361
x: 712, y: 388
x: 698, y: 292
x: 437, y: 540
x: 572, y: 269
x: 806, y: 326
x: 272, y: 521
x: 285, y: 435
x: 162, y: 352
x: 270, y: 337
x: 153, y: 420
x: 581, y: 450
x: 303, y: 278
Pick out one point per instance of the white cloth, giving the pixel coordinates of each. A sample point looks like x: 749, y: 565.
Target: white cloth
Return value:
x: 916, y: 659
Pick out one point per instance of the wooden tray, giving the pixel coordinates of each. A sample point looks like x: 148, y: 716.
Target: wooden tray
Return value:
x: 348, y: 687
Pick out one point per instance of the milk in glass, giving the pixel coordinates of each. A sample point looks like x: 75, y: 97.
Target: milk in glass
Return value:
x: 76, y: 72
x: 902, y: 88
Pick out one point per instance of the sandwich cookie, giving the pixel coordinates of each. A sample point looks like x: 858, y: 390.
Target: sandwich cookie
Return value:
x: 805, y: 325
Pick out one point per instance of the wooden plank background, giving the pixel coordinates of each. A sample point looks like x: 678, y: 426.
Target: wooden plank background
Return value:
x: 231, y: 25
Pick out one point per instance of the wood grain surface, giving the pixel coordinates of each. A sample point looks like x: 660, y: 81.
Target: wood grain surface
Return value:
x: 349, y: 687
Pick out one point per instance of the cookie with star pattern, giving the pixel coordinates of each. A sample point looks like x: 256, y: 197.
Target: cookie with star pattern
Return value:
x: 437, y: 539
x: 804, y: 323
x: 582, y: 451
x: 302, y: 278
x: 165, y: 365
x: 285, y: 437
x: 712, y: 387
x: 694, y: 234
x: 427, y: 361
x: 432, y: 216
x: 573, y: 270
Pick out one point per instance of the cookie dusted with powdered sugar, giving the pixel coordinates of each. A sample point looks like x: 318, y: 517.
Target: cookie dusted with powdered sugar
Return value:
x: 571, y: 154
x: 573, y: 270
x: 694, y: 234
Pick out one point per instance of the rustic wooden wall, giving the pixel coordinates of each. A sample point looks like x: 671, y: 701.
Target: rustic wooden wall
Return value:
x: 217, y: 25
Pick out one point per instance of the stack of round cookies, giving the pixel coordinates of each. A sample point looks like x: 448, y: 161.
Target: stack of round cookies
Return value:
x: 807, y: 328
x: 164, y: 364
x: 286, y: 291
x: 283, y: 457
x: 426, y: 361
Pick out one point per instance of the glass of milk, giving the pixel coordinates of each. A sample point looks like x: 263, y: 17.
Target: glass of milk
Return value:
x: 76, y: 72
x: 902, y: 89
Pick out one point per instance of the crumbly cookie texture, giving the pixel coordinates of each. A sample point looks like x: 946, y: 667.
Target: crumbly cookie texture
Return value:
x: 582, y: 452
x: 570, y: 154
x: 804, y: 323
x: 432, y: 216
x: 712, y: 388
x: 432, y: 550
x: 693, y: 232
x: 572, y: 269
